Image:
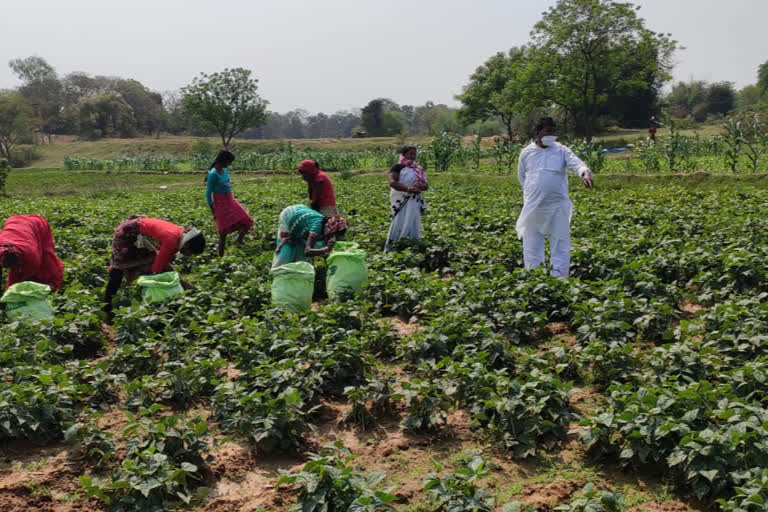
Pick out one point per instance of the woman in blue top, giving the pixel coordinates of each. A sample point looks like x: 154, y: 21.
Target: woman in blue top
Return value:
x: 230, y: 215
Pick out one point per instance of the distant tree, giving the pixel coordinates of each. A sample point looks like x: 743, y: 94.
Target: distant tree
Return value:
x: 382, y: 117
x: 42, y: 89
x: 227, y: 101
x: 432, y: 119
x: 372, y: 117
x: 147, y: 106
x: 762, y: 79
x: 105, y: 115
x: 748, y: 96
x: 501, y: 88
x: 586, y: 51
x: 721, y: 98
x: 15, y: 121
x: 689, y: 99
x: 393, y: 122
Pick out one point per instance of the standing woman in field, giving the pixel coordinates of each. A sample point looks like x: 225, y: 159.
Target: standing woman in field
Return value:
x: 407, y: 182
x: 230, y: 215
x: 319, y: 187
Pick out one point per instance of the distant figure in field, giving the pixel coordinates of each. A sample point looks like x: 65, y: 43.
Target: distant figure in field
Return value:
x: 652, y: 126
x: 303, y: 233
x: 28, y: 252
x: 230, y: 215
x: 319, y: 187
x: 143, y: 245
x: 407, y: 182
x: 542, y: 172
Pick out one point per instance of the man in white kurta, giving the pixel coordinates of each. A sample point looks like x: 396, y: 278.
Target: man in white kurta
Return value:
x: 547, y: 208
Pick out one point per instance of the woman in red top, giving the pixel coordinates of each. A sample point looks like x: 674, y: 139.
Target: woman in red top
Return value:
x: 28, y: 251
x: 143, y: 245
x: 320, y: 189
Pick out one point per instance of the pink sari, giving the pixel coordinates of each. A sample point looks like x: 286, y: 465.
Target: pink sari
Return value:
x: 421, y: 176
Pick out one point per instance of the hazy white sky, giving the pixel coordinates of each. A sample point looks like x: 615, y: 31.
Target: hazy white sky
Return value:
x: 328, y: 55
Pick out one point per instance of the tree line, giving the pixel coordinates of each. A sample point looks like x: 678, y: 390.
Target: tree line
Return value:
x: 589, y: 63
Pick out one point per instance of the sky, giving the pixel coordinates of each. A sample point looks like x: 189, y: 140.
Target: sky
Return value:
x: 329, y: 55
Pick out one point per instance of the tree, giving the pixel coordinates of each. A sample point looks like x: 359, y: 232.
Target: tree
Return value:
x: 105, y: 115
x: 721, y: 98
x: 748, y: 96
x: 42, y: 89
x: 382, y: 117
x: 147, y: 105
x: 15, y: 121
x: 762, y: 79
x: 227, y: 101
x: 500, y: 88
x: 371, y: 117
x: 688, y: 99
x: 589, y: 50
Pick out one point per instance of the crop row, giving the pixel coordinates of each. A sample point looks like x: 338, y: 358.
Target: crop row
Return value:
x: 681, y: 393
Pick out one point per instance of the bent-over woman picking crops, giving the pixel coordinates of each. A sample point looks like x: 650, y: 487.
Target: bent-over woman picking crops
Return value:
x: 143, y: 245
x: 303, y: 233
x: 407, y: 181
x: 230, y: 215
x: 28, y: 252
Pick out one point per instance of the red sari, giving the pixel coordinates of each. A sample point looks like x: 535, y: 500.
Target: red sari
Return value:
x: 29, y: 237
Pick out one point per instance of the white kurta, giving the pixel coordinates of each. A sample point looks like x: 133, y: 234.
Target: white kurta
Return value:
x: 547, y: 208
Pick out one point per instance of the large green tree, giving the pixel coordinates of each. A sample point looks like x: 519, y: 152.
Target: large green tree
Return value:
x: 147, y: 105
x: 382, y: 117
x: 15, y: 122
x: 42, y: 89
x: 586, y: 51
x: 501, y: 88
x: 104, y: 115
x: 227, y: 101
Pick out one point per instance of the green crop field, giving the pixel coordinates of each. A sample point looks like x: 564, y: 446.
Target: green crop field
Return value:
x: 455, y: 377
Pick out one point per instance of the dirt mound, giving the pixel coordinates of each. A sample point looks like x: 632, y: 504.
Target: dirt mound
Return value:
x: 549, y: 495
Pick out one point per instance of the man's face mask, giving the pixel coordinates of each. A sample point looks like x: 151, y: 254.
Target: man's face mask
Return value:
x: 548, y: 140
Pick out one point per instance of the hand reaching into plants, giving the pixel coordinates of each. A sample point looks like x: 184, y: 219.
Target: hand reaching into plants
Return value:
x: 586, y: 177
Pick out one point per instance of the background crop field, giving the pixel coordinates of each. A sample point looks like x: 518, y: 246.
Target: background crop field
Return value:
x: 642, y: 374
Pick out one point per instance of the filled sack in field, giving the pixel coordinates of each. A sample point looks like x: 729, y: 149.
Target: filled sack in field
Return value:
x: 292, y: 286
x: 347, y: 270
x: 27, y: 301
x: 160, y: 287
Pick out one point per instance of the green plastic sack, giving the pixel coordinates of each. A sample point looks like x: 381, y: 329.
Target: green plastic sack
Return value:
x: 292, y: 286
x: 347, y: 270
x: 27, y: 301
x: 160, y: 287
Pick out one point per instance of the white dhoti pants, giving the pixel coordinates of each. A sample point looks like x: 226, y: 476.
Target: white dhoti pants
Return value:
x: 559, y: 252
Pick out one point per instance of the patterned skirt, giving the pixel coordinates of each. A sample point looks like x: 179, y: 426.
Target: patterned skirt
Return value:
x: 230, y: 215
x: 125, y: 255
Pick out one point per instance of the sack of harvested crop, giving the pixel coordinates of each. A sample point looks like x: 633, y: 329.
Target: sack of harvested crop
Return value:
x: 27, y: 301
x: 347, y: 270
x: 292, y: 286
x: 160, y: 287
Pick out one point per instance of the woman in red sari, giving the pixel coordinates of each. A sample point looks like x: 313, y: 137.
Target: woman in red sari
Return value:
x: 28, y: 252
x: 321, y: 196
x: 230, y: 215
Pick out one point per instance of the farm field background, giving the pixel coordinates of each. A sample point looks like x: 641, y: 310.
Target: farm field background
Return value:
x: 643, y: 374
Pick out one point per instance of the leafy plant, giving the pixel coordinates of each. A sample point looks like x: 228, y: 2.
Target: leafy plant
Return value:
x: 734, y: 141
x: 459, y: 491
x: 330, y: 483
